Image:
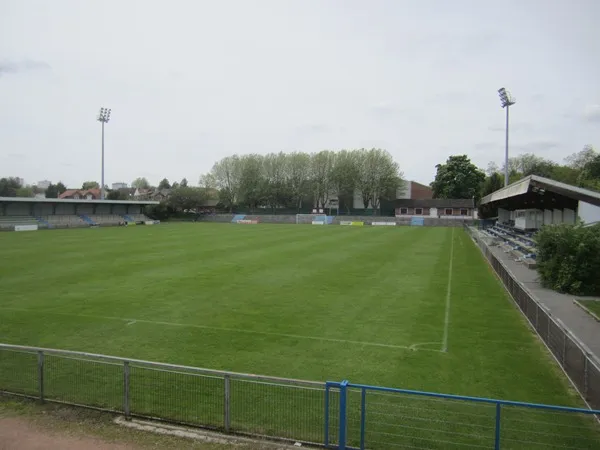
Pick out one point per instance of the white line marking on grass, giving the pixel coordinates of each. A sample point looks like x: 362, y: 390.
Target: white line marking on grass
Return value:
x: 416, y: 346
x: 132, y: 322
x: 232, y: 330
x: 448, y: 296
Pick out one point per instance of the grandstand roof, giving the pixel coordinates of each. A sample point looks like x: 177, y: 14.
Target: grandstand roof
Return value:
x: 62, y: 200
x: 533, y: 186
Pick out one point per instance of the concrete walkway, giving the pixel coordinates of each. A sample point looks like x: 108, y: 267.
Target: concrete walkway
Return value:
x: 580, y: 323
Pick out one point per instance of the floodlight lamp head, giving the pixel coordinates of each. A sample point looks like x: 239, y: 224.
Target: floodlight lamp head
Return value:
x: 104, y: 115
x: 505, y: 98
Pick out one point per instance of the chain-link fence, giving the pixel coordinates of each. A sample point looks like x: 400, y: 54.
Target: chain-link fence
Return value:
x: 580, y: 365
x: 379, y: 418
x: 226, y: 401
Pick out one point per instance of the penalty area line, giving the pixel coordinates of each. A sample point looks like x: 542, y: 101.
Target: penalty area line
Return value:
x: 131, y: 321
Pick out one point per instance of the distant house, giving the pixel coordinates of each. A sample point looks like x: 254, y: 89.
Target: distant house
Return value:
x: 409, y: 190
x: 43, y: 185
x: 118, y: 186
x: 81, y: 194
x: 160, y: 195
x: 155, y: 194
x: 416, y: 191
x: 446, y: 208
x: 142, y: 194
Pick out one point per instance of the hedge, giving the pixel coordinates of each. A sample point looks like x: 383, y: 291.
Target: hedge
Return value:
x: 568, y: 258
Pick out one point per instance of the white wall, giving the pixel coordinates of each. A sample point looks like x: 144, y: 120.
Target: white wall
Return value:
x: 557, y: 216
x: 503, y: 215
x: 588, y: 213
x: 547, y: 217
x: 569, y: 216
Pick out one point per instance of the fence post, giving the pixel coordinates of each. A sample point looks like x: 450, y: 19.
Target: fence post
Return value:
x: 126, y: 409
x: 363, y: 411
x: 343, y: 400
x: 326, y: 434
x: 226, y: 402
x: 40, y: 364
x: 497, y: 435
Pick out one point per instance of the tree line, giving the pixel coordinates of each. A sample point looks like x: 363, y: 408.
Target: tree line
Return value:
x: 458, y: 177
x: 296, y: 180
x: 13, y: 187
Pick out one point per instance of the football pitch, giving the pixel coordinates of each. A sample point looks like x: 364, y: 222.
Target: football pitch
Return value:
x: 407, y: 307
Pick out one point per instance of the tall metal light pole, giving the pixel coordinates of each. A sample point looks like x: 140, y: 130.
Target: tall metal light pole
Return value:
x: 507, y: 101
x: 103, y: 117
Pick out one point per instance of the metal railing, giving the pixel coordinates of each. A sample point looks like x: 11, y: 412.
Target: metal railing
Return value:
x: 576, y: 360
x: 334, y: 415
x: 231, y: 402
x: 374, y: 417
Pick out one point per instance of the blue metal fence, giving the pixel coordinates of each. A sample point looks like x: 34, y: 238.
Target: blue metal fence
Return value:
x: 374, y: 417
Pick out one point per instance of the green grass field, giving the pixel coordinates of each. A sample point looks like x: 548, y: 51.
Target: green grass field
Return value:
x: 406, y: 307
x: 592, y: 305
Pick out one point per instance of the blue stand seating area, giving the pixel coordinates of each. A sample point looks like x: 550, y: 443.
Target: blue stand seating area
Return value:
x: 519, y: 242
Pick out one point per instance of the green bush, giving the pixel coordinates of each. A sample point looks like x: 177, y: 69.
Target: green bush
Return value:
x: 569, y: 258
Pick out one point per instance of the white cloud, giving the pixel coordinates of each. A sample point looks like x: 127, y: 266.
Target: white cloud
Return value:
x: 191, y: 82
x: 592, y: 113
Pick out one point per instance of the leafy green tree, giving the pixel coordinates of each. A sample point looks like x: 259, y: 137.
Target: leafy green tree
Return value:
x: 54, y: 190
x: 140, y: 183
x: 458, y: 178
x: 113, y: 194
x: 568, y: 258
x: 162, y: 211
x: 25, y: 191
x: 187, y: 198
x: 298, y: 177
x: 118, y: 194
x: 226, y: 174
x: 276, y: 189
x: 379, y: 177
x: 9, y: 186
x: 164, y: 184
x: 90, y: 185
x: 321, y: 181
x: 579, y: 160
x: 252, y: 183
x: 492, y: 183
x: 184, y: 182
x: 345, y: 177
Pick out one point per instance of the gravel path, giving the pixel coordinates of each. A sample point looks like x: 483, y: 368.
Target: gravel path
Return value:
x: 580, y: 323
x: 19, y: 434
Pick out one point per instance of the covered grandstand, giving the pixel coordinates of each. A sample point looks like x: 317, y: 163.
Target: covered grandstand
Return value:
x: 514, y: 213
x: 20, y: 214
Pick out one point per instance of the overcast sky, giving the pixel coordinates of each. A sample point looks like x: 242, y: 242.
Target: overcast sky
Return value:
x: 190, y: 82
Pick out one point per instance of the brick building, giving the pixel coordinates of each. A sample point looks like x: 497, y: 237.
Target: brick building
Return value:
x: 446, y: 208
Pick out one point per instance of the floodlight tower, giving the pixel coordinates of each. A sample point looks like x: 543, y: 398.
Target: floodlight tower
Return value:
x: 103, y: 117
x: 507, y: 101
